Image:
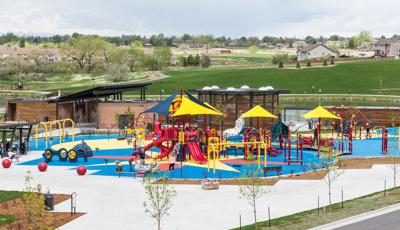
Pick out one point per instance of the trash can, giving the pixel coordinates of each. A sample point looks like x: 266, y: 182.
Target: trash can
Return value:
x: 49, y: 202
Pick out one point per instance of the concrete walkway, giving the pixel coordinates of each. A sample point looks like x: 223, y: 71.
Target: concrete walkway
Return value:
x: 117, y: 203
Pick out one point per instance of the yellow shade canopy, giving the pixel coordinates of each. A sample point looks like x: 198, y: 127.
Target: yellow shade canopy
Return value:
x: 320, y: 112
x: 188, y: 107
x: 258, y: 111
x: 212, y: 107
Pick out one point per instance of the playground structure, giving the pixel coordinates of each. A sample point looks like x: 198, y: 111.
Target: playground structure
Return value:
x: 60, y: 125
x: 250, y: 146
x: 81, y: 150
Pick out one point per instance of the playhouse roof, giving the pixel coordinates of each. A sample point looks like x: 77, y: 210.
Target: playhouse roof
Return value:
x: 258, y: 111
x: 320, y: 112
x: 189, y: 107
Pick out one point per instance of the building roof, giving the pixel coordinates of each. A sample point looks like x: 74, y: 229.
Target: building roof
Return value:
x: 386, y: 41
x: 102, y: 91
x: 313, y: 46
x: 241, y: 91
x: 12, y: 125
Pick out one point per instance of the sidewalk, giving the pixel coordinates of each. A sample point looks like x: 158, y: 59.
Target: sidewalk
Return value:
x: 117, y: 203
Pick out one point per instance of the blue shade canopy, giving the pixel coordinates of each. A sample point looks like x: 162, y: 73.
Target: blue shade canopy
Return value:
x: 162, y: 107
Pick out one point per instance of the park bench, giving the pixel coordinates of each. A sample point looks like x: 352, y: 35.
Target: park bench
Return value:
x: 15, y: 157
x: 277, y: 169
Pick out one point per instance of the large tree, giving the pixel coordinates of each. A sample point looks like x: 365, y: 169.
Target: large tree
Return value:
x: 83, y: 48
x: 364, y: 40
x: 134, y: 55
x: 163, y: 55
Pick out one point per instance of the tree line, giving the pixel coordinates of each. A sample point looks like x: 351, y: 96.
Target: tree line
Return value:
x: 191, y: 40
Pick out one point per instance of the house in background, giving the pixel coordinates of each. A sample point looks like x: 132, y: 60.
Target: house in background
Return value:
x: 316, y: 51
x: 387, y: 47
x: 44, y: 55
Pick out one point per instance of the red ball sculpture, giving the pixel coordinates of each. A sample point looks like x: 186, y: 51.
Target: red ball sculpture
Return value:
x: 6, y: 163
x: 42, y: 166
x: 81, y: 170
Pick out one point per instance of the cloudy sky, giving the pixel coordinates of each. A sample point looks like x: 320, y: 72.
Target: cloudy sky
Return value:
x: 218, y: 17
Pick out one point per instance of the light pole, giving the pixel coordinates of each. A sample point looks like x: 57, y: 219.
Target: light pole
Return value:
x: 319, y: 97
x: 161, y: 93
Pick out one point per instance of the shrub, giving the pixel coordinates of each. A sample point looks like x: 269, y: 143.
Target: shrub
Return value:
x: 118, y: 73
x: 279, y: 58
x: 298, y: 65
x: 280, y: 65
x: 308, y: 64
x: 325, y: 63
x: 332, y: 61
x: 205, y: 61
x: 151, y: 63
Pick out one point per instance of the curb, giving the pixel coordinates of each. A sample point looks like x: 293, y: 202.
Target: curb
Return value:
x: 358, y: 218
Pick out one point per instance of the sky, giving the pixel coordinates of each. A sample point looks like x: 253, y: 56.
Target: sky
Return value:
x: 234, y: 18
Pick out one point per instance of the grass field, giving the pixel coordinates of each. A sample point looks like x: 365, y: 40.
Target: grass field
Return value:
x: 311, y: 218
x: 381, y: 77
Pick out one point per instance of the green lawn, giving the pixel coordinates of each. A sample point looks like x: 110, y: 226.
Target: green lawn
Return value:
x: 381, y: 77
x: 311, y: 218
x: 6, y: 196
x: 9, y: 195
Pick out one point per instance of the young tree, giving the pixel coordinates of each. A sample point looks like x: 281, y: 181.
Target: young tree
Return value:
x: 251, y: 188
x: 33, y: 202
x: 332, y: 174
x: 394, y: 166
x: 160, y: 198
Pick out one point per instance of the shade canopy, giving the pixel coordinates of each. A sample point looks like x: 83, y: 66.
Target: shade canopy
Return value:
x: 213, y: 108
x: 188, y: 107
x: 320, y: 112
x: 258, y: 111
x: 162, y: 107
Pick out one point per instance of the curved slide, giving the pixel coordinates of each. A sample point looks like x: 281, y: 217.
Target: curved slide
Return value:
x: 164, y: 151
x: 195, y: 152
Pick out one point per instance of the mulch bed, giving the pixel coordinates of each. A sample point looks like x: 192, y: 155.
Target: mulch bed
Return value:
x: 53, y: 219
x: 314, y: 175
x: 364, y: 163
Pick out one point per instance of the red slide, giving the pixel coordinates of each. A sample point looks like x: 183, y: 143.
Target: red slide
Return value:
x: 167, y: 135
x: 195, y: 152
x: 273, y: 151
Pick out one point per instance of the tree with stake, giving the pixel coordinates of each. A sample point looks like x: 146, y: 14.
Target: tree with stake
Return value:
x: 332, y: 174
x: 34, y: 207
x: 251, y: 188
x: 394, y: 166
x: 160, y: 197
